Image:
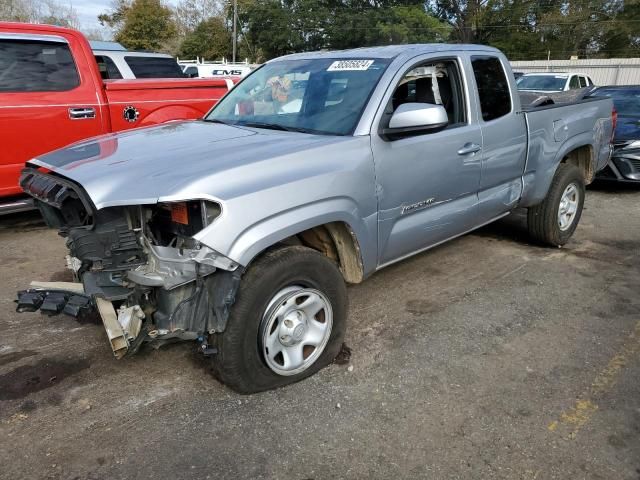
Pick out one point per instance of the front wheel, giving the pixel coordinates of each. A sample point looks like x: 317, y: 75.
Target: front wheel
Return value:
x: 553, y: 221
x: 287, y: 323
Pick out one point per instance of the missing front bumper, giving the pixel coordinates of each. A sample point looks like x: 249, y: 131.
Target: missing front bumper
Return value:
x: 188, y: 312
x: 123, y: 327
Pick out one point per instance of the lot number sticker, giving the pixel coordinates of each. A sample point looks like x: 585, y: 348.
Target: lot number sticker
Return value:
x: 344, y: 65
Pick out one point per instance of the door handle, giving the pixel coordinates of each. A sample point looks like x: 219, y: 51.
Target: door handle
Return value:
x: 81, y: 113
x: 469, y: 148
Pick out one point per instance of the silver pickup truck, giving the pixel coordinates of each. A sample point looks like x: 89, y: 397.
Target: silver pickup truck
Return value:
x: 239, y: 231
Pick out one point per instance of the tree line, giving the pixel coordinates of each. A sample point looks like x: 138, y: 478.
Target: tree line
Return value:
x: 523, y: 29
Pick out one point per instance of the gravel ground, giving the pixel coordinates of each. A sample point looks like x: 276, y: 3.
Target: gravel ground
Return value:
x: 487, y: 357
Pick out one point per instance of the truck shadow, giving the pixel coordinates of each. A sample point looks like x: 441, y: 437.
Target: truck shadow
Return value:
x: 513, y: 227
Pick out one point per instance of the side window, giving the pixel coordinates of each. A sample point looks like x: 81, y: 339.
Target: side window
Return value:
x: 108, y: 69
x: 583, y: 82
x: 35, y: 66
x: 191, y: 72
x: 493, y: 87
x: 574, y: 82
x: 437, y: 83
x: 154, y: 67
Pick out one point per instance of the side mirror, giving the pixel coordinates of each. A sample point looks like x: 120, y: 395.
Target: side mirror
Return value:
x: 416, y: 117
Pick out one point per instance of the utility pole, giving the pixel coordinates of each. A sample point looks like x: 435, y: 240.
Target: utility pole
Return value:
x: 235, y: 33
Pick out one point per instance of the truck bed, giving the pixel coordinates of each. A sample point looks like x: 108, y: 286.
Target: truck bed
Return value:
x: 558, y: 127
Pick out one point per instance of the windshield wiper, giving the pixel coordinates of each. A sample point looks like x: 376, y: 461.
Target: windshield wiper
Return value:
x: 215, y: 120
x: 270, y: 126
x: 275, y: 126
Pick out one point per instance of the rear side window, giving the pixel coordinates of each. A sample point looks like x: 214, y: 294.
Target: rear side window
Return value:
x: 493, y: 87
x: 108, y: 69
x: 154, y: 67
x: 34, y: 66
x: 574, y: 83
x: 583, y: 82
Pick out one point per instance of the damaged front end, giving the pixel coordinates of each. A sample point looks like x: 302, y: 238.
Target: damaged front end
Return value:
x: 137, y: 267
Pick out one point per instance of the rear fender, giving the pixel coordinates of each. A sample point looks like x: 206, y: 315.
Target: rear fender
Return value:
x: 537, y: 183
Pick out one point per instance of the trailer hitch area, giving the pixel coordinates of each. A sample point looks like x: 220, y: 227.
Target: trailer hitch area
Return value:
x: 124, y: 327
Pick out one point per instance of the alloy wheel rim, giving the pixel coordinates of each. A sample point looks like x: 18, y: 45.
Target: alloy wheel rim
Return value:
x: 568, y: 207
x: 295, y: 329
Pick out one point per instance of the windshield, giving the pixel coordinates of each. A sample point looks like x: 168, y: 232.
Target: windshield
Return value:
x: 325, y: 96
x: 627, y: 101
x: 544, y: 83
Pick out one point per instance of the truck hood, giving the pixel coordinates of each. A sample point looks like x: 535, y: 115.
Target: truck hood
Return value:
x: 184, y: 160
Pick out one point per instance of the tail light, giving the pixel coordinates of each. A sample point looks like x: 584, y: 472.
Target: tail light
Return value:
x: 614, y: 122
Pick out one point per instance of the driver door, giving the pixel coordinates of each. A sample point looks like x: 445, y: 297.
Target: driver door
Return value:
x: 428, y: 181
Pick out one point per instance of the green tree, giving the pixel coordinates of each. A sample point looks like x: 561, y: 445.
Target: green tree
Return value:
x: 623, y: 38
x: 278, y: 27
x: 142, y: 25
x: 210, y: 39
x: 407, y: 24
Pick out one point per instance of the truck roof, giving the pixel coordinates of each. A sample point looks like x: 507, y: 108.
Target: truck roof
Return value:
x: 36, y: 27
x: 390, y: 51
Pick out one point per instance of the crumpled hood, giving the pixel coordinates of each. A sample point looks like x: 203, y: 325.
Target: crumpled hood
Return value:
x: 181, y: 160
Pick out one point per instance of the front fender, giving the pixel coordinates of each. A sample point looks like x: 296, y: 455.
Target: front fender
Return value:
x: 259, y: 236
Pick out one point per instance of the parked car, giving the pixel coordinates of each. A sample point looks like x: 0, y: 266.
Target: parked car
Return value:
x: 553, y: 82
x: 52, y: 94
x: 625, y: 161
x: 315, y: 170
x: 116, y: 62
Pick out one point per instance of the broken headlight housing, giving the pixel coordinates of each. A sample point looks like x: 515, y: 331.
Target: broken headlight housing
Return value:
x: 174, y: 223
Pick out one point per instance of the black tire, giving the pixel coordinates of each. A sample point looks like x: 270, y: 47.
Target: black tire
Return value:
x: 542, y: 219
x: 239, y: 362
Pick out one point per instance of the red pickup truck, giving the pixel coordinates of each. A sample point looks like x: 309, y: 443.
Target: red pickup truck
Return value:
x: 52, y: 94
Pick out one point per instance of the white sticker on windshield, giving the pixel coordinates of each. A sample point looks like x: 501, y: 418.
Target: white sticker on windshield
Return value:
x: 344, y: 65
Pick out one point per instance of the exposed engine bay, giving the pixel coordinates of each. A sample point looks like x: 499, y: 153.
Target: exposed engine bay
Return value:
x: 138, y: 267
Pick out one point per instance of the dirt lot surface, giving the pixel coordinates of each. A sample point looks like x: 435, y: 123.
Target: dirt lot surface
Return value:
x: 487, y: 357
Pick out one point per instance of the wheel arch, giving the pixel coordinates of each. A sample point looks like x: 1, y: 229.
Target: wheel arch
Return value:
x: 579, y: 151
x: 336, y: 233
x: 582, y: 157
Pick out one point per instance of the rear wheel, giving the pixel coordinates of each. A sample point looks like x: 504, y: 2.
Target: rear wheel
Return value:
x: 553, y: 221
x: 287, y: 323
